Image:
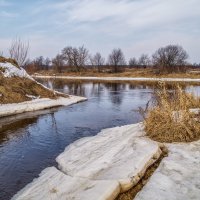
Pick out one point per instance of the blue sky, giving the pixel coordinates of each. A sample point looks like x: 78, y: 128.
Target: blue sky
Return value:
x: 136, y: 26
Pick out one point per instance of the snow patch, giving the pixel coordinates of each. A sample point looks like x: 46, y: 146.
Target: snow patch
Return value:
x: 10, y: 70
x: 32, y: 96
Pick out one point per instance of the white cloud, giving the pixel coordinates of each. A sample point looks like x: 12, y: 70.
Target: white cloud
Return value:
x: 6, y: 14
x: 4, y: 3
x: 137, y: 26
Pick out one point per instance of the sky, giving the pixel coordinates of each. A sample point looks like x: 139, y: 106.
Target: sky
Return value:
x: 135, y: 26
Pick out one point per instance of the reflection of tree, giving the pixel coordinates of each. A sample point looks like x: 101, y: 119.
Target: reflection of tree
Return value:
x: 132, y: 86
x: 138, y: 86
x: 58, y: 84
x: 144, y: 87
x: 7, y: 129
x: 54, y: 123
x: 68, y: 86
x: 76, y: 88
x: 115, y: 92
x: 115, y: 87
x: 96, y: 90
x: 10, y: 125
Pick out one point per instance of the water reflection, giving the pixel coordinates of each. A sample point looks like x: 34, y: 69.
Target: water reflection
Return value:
x: 30, y: 142
x: 20, y: 121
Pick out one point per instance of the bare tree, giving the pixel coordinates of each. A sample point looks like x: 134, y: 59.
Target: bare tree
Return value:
x: 144, y: 60
x: 19, y: 51
x: 58, y: 63
x: 47, y: 61
x: 97, y: 61
x: 75, y: 57
x: 133, y: 62
x: 171, y: 58
x: 116, y: 59
x: 39, y: 60
x: 39, y: 63
x: 1, y: 53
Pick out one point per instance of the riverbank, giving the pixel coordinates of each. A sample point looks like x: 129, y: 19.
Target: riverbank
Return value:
x: 121, y: 78
x: 103, y: 166
x: 129, y: 73
x: 20, y: 93
x: 16, y: 86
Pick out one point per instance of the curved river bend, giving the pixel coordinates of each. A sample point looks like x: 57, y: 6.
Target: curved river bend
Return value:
x: 30, y: 142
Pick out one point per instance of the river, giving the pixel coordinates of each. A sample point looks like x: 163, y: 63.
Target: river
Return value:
x: 30, y: 142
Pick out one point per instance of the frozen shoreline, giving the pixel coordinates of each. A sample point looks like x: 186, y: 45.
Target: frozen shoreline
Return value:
x: 178, y: 175
x: 121, y: 78
x: 97, y: 167
x: 37, y: 104
x: 102, y: 166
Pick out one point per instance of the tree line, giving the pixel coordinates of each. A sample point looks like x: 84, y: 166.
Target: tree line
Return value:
x: 168, y: 59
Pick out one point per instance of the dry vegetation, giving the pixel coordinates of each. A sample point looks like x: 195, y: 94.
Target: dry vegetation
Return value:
x: 15, y: 89
x: 136, y: 72
x: 169, y: 119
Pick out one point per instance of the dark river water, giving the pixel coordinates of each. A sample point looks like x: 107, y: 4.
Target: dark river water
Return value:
x: 30, y: 142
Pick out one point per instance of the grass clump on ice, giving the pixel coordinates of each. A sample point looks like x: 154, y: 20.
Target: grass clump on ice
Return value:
x: 169, y: 118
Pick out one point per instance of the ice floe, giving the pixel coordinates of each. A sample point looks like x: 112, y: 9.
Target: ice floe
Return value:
x: 54, y: 185
x: 37, y: 104
x: 122, y: 154
x: 177, y: 177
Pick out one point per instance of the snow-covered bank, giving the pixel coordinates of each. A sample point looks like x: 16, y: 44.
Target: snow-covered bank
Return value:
x: 17, y: 86
x: 37, y: 104
x: 122, y: 78
x: 96, y: 168
x: 177, y: 177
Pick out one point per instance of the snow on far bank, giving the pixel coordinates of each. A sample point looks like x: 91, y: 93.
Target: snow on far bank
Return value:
x: 54, y: 185
x: 120, y: 154
x: 122, y: 78
x: 177, y: 177
x: 37, y: 104
x: 10, y: 70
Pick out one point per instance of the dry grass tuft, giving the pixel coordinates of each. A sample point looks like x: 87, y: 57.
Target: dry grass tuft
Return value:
x: 169, y: 119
